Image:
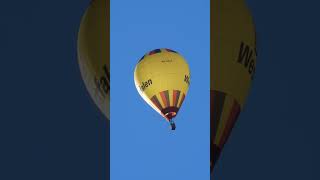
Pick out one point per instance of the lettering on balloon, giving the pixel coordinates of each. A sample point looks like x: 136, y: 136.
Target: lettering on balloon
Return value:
x: 187, y: 79
x: 247, y: 58
x: 145, y: 84
x: 103, y: 82
x: 166, y: 60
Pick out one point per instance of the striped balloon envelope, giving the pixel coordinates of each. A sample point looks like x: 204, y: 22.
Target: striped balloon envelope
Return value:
x: 233, y: 62
x: 162, y: 78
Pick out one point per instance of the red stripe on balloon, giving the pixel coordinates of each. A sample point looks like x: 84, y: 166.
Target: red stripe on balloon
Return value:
x: 230, y: 123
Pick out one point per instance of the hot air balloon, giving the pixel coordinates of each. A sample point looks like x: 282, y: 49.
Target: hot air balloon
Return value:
x: 162, y: 78
x: 93, y: 53
x: 233, y: 62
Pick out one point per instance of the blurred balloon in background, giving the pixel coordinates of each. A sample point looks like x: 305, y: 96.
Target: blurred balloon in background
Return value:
x: 233, y: 65
x: 94, y: 53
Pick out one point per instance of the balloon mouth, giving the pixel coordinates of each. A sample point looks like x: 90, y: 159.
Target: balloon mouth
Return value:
x: 170, y: 115
x: 170, y: 112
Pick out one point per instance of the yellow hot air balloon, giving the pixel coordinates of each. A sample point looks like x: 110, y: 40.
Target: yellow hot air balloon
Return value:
x: 233, y: 62
x: 93, y: 53
x: 162, y: 78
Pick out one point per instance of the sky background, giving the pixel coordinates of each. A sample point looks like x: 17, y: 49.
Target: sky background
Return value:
x: 50, y: 129
x: 142, y: 145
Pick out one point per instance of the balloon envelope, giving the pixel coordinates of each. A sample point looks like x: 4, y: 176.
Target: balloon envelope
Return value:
x: 93, y: 53
x: 162, y: 78
x: 233, y: 60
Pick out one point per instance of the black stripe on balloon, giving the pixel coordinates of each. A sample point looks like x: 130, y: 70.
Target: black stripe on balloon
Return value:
x: 170, y: 50
x: 214, y: 155
x: 217, y: 99
x: 141, y: 58
x: 154, y: 51
x: 156, y: 102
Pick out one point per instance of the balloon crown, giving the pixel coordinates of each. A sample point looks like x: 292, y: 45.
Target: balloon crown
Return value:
x: 156, y: 51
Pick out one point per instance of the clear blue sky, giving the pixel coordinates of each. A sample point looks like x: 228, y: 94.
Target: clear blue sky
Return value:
x: 142, y: 145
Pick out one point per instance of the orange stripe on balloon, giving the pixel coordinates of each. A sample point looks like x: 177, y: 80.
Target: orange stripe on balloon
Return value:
x: 164, y: 98
x: 176, y: 95
x: 182, y: 99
